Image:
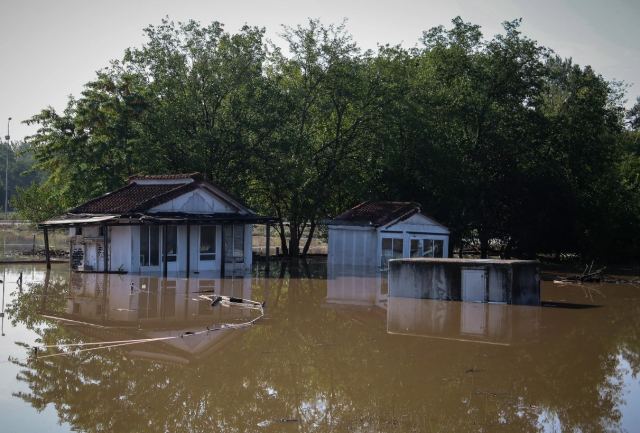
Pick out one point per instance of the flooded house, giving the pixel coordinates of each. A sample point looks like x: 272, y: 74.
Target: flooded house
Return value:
x: 373, y: 232
x: 178, y: 223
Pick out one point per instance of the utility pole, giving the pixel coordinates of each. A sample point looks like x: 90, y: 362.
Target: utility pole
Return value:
x: 6, y: 171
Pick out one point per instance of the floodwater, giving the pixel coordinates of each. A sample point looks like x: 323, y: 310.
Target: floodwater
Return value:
x: 332, y: 354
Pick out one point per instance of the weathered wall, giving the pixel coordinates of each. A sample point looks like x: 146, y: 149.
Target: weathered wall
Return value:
x: 353, y: 246
x: 509, y: 281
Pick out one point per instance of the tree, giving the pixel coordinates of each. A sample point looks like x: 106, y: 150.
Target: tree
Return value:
x: 311, y: 164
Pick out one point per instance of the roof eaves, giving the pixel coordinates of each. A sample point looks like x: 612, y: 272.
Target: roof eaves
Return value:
x: 402, y: 217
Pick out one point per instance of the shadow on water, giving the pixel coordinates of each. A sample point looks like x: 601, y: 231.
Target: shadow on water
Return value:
x: 333, y: 353
x: 568, y: 305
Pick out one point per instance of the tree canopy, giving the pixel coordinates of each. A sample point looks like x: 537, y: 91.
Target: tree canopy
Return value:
x: 508, y: 144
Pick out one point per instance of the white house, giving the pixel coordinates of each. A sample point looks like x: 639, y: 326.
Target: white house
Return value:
x: 373, y: 232
x: 169, y: 223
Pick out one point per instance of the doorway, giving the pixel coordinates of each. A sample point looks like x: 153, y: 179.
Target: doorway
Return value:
x: 474, y: 285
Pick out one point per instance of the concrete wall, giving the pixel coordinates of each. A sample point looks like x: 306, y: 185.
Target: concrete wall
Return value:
x: 508, y: 281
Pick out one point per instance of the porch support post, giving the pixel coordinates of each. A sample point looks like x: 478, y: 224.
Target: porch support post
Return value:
x: 105, y: 237
x: 268, y: 246
x: 46, y: 248
x: 188, y: 249
x: 222, y: 250
x: 164, y: 250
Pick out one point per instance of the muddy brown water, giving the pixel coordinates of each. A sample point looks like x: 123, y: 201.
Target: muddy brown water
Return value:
x: 331, y: 355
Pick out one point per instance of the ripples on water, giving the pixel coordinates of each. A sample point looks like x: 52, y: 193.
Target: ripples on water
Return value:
x: 333, y: 353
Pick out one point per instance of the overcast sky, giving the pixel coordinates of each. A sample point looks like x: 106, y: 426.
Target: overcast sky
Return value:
x: 50, y: 48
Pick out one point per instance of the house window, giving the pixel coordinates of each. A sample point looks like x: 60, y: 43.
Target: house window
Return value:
x: 149, y: 246
x: 207, y: 243
x: 438, y: 248
x: 172, y: 243
x: 391, y: 249
x: 234, y: 243
x: 426, y: 248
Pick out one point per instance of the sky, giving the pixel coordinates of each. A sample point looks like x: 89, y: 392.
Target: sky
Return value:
x: 50, y: 48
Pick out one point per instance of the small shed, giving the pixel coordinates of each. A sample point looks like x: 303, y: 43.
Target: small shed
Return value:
x: 373, y: 232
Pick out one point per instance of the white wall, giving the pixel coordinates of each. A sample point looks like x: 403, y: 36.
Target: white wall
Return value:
x: 198, y: 202
x: 248, y: 246
x: 417, y: 226
x: 124, y: 249
x: 352, y: 245
x: 135, y: 249
x: 120, y: 248
x: 362, y: 245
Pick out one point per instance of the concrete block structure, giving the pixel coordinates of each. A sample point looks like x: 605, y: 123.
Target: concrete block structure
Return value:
x: 472, y: 280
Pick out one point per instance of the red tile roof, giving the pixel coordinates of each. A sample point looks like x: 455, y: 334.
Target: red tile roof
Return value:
x: 376, y: 213
x: 133, y: 198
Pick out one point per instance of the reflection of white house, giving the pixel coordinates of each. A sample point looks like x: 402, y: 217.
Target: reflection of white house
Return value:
x: 169, y: 223
x: 144, y: 300
x: 123, y: 307
x: 371, y: 233
x: 356, y: 286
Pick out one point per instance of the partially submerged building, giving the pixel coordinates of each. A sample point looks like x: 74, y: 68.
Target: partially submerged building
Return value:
x: 373, y: 232
x: 470, y: 280
x: 167, y: 223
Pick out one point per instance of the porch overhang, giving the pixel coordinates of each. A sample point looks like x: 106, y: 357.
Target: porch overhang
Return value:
x: 160, y: 218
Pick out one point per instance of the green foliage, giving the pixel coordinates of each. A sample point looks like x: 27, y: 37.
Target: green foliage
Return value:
x: 37, y: 202
x: 507, y: 144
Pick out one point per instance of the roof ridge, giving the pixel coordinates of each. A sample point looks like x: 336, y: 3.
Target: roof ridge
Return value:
x: 195, y: 175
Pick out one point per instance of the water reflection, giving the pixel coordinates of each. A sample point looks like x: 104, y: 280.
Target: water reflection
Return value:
x: 499, y: 324
x: 322, y: 360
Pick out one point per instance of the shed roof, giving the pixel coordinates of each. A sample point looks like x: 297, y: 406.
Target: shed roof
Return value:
x: 376, y: 213
x: 176, y: 176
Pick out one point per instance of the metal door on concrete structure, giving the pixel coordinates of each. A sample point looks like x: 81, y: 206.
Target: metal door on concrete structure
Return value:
x: 474, y: 285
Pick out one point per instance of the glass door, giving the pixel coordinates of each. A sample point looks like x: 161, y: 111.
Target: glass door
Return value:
x: 391, y: 249
x: 207, y: 250
x: 233, y: 243
x: 172, y: 248
x: 149, y: 247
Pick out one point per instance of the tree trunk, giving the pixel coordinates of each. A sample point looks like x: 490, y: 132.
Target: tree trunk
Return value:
x: 307, y: 244
x: 283, y: 239
x: 484, y: 245
x: 294, y: 240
